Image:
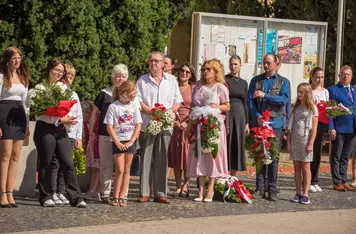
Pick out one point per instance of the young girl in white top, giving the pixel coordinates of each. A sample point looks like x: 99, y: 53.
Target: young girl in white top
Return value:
x: 123, y: 122
x: 14, y: 80
x: 319, y: 94
x: 301, y: 136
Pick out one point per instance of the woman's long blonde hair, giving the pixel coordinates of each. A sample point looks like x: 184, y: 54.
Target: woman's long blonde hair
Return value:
x: 308, y: 94
x: 218, y: 68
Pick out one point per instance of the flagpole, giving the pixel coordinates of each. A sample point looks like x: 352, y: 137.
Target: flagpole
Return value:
x: 339, y: 44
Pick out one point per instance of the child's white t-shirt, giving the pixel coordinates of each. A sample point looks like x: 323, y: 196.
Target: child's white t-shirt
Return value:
x: 123, y: 117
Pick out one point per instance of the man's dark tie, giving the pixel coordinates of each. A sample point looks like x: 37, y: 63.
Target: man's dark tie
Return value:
x: 350, y: 93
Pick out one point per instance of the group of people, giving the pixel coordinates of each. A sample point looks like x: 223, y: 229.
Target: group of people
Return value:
x: 114, y: 128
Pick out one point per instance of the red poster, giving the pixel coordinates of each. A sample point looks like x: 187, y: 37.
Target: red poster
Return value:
x: 290, y: 49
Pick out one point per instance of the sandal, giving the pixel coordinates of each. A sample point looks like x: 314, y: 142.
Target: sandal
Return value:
x: 115, y: 202
x: 13, y: 205
x: 353, y: 183
x: 4, y: 205
x: 123, y: 201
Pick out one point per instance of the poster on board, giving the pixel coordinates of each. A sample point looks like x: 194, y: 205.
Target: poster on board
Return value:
x: 271, y: 43
x: 310, y: 50
x: 217, y: 34
x: 290, y: 49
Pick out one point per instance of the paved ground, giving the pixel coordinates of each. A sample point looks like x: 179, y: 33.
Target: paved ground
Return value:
x: 337, y: 221
x: 31, y: 217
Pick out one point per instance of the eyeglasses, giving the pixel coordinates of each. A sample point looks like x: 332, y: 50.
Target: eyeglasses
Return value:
x: 58, y: 71
x: 208, y: 69
x: 186, y: 71
x: 155, y: 60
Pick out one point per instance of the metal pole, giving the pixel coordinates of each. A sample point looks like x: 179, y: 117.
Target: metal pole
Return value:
x: 340, y: 22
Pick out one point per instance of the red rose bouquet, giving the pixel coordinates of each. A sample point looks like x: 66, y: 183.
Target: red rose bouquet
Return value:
x: 330, y: 109
x: 232, y: 189
x: 262, y: 143
x: 161, y: 118
x: 205, y: 131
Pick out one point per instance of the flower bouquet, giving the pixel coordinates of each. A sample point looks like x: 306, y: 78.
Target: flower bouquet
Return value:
x: 262, y: 143
x: 80, y: 161
x: 161, y: 119
x: 231, y: 189
x: 205, y: 131
x: 51, y: 100
x: 332, y: 110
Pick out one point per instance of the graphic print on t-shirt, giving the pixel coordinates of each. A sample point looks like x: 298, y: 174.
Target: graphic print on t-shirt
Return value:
x: 125, y: 123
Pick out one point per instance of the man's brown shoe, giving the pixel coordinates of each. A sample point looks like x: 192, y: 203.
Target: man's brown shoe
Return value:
x: 143, y: 199
x: 340, y: 188
x: 161, y: 200
x: 348, y: 187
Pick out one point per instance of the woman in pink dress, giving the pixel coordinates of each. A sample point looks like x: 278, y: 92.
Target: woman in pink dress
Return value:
x: 212, y: 81
x: 179, y: 147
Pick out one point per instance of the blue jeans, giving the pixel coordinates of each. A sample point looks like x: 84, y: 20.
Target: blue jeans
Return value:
x: 266, y: 179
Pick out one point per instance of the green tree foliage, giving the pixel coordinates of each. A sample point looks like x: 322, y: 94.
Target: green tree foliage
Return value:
x: 92, y: 35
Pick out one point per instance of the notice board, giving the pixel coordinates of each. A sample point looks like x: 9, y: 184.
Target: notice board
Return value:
x: 301, y: 45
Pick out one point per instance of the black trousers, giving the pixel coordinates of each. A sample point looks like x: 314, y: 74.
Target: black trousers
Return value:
x: 52, y: 141
x: 266, y: 179
x: 340, y: 154
x: 57, y: 176
x: 317, y: 149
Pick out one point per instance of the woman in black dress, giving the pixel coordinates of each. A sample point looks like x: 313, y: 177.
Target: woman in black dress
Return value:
x: 238, y: 117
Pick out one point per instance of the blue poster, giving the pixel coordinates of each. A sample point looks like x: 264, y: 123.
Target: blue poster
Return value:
x: 271, y: 43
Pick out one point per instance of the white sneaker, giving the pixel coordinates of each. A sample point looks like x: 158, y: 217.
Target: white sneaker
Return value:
x: 63, y: 199
x: 312, y: 189
x: 82, y: 204
x: 49, y: 203
x: 317, y: 187
x: 56, y: 199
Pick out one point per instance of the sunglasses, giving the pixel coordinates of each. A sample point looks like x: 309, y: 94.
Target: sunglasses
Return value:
x: 208, y: 69
x: 186, y: 71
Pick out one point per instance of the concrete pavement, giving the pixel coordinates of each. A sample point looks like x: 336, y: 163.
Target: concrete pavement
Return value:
x: 329, y: 221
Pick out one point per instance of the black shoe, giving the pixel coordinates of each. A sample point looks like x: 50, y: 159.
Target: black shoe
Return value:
x: 272, y: 196
x: 259, y: 193
x: 14, y: 205
x: 5, y: 205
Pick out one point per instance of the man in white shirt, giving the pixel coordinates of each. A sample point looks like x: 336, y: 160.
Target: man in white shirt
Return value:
x: 156, y: 87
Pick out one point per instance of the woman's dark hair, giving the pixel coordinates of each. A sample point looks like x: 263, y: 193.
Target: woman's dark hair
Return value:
x: 235, y: 57
x: 313, y: 71
x: 170, y: 58
x: 22, y: 71
x: 52, y: 64
x: 193, y: 79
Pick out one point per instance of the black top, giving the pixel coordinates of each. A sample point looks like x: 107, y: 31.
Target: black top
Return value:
x: 238, y: 89
x: 102, y: 102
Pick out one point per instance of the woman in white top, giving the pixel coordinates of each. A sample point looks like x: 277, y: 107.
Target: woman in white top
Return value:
x: 319, y: 94
x: 53, y: 143
x: 75, y: 135
x: 14, y: 80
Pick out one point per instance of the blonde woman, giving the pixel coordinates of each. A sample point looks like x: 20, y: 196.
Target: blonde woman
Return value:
x: 212, y: 80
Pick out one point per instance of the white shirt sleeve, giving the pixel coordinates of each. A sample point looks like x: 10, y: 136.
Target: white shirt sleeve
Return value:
x: 137, y: 115
x: 79, y: 115
x: 177, y: 94
x: 110, y: 115
x: 139, y: 90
